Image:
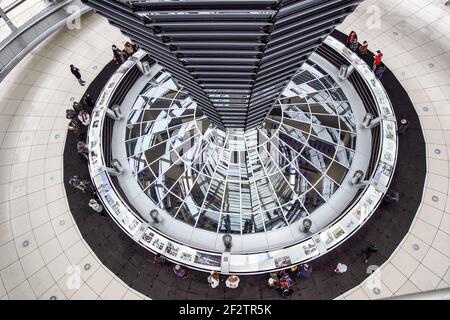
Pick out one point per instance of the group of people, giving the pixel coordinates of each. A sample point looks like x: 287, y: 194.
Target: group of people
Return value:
x: 363, y: 49
x: 213, y: 279
x: 86, y: 186
x: 283, y: 281
x: 378, y: 68
x: 80, y: 119
x: 231, y: 282
x: 120, y: 56
x: 79, y: 116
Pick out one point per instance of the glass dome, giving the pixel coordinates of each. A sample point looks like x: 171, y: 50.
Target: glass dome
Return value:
x: 231, y: 181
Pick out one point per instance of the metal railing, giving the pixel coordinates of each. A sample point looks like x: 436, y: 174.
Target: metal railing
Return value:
x: 31, y: 33
x: 20, y: 12
x: 367, y: 98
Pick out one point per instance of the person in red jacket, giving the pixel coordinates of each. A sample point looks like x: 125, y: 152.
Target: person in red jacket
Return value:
x: 377, y: 60
x: 351, y: 38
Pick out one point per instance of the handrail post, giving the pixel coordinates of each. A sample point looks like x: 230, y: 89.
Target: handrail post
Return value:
x: 5, y: 17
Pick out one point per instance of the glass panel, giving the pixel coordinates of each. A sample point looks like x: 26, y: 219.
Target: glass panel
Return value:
x: 294, y: 211
x: 242, y: 182
x: 230, y: 224
x: 274, y: 219
x: 252, y: 223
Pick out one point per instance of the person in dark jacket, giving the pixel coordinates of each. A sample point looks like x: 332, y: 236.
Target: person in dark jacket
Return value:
x: 380, y: 71
x: 305, y: 271
x: 118, y: 55
x: 83, y: 150
x: 78, y: 107
x: 76, y: 72
x: 403, y: 126
x: 89, y: 103
x: 367, y: 253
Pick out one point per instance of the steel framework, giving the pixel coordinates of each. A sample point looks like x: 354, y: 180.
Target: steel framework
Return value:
x: 234, y: 57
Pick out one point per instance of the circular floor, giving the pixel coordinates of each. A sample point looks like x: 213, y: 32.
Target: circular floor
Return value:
x: 386, y: 229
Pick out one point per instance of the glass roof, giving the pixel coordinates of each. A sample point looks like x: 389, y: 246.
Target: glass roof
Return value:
x: 242, y: 182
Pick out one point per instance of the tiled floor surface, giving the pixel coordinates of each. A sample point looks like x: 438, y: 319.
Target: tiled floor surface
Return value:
x: 38, y: 238
x: 415, y: 39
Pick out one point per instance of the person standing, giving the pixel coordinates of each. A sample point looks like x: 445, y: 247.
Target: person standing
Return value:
x: 403, y: 127
x: 341, y: 268
x: 363, y: 49
x: 128, y: 49
x: 367, y: 253
x: 232, y: 282
x: 73, y: 127
x: 89, y: 102
x: 293, y: 271
x: 354, y: 45
x: 118, y: 55
x: 214, y: 280
x: 76, y: 72
x: 391, y: 197
x: 84, y: 118
x: 285, y: 291
x: 380, y: 71
x: 272, y: 283
x: 97, y: 207
x: 89, y: 186
x: 73, y: 116
x: 351, y: 38
x: 285, y: 285
x: 305, y: 271
x: 77, y: 183
x: 159, y: 259
x: 281, y: 273
x: 77, y: 106
x: 83, y: 150
x: 377, y: 60
x: 179, y: 271
x: 286, y: 281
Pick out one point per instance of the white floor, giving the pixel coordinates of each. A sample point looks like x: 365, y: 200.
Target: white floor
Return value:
x: 415, y: 39
x: 38, y: 239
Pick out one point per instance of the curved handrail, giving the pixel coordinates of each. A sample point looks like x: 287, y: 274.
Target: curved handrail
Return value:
x: 18, y: 44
